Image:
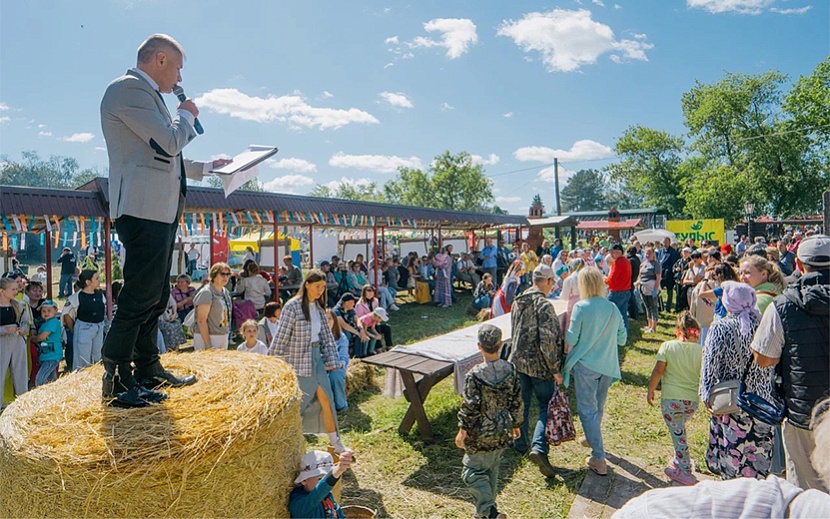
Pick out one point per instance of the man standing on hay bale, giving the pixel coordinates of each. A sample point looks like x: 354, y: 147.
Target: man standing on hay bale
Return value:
x: 147, y: 187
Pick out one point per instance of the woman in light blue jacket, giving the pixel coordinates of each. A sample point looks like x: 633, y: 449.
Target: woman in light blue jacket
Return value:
x: 595, y: 331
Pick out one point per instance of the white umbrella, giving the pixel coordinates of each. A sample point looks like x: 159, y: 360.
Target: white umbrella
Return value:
x: 654, y: 235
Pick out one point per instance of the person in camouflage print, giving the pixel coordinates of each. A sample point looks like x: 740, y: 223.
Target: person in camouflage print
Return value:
x: 537, y: 350
x: 488, y: 421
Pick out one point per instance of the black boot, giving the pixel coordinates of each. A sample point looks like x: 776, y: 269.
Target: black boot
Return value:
x: 121, y: 390
x: 155, y: 376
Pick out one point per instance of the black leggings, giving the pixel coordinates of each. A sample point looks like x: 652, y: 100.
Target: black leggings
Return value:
x: 386, y: 330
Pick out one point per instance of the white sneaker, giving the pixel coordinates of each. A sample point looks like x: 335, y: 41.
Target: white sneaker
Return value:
x: 394, y: 307
x: 339, y: 448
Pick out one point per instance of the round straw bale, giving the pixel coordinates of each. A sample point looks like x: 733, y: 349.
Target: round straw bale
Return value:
x: 229, y: 445
x: 359, y: 376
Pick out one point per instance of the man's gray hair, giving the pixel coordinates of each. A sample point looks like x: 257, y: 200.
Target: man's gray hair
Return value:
x: 157, y: 43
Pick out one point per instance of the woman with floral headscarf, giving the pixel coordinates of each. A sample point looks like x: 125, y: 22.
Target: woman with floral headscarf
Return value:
x: 739, y: 445
x: 443, y: 287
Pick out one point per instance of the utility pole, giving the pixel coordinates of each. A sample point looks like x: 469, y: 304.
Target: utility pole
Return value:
x: 556, y: 186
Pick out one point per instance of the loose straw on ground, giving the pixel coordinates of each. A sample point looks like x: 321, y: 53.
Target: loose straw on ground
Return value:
x: 228, y: 446
x: 359, y: 376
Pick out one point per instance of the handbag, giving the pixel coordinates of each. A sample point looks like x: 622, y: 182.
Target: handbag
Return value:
x: 771, y: 413
x: 559, y: 427
x: 723, y: 397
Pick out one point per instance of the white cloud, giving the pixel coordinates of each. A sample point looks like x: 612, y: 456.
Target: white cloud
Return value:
x: 100, y: 148
x: 567, y: 40
x: 392, y: 40
x: 287, y: 183
x: 396, y: 99
x: 547, y: 175
x: 376, y: 163
x: 725, y: 6
x: 388, y: 65
x: 4, y: 119
x: 491, y: 160
x: 508, y: 115
x: 457, y: 35
x: 800, y: 10
x: 446, y: 106
x: 581, y: 150
x: 44, y: 134
x: 359, y: 182
x: 617, y: 6
x: 598, y: 2
x: 290, y: 109
x: 41, y: 126
x: 508, y: 199
x: 79, y: 137
x: 293, y: 164
x: 3, y: 107
x: 327, y: 94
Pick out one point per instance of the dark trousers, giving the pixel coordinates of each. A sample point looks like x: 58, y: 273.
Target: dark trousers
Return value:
x: 682, y: 298
x: 134, y: 332
x: 633, y: 311
x: 386, y: 330
x: 668, y: 283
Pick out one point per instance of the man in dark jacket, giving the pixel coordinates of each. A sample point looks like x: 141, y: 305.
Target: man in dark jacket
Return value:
x: 537, y: 348
x: 668, y: 256
x: 633, y: 307
x: 794, y: 334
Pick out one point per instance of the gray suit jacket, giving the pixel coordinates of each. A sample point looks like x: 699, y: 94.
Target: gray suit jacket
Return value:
x: 144, y: 145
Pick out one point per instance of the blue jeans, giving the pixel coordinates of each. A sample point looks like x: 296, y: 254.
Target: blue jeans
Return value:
x: 591, y: 390
x: 88, y: 339
x: 337, y: 378
x: 481, y: 303
x: 621, y: 300
x: 65, y: 285
x: 543, y: 389
x: 48, y: 372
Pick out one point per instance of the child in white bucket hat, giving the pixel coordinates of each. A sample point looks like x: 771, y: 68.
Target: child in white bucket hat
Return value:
x: 312, y: 496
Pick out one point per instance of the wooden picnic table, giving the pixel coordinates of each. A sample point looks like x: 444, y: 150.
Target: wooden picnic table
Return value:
x: 420, y: 374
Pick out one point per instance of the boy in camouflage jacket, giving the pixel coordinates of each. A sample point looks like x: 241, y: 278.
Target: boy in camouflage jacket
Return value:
x: 489, y: 420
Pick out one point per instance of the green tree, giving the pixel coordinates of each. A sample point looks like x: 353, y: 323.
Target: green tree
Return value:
x: 739, y: 122
x: 537, y: 200
x: 411, y: 187
x: 498, y: 210
x: 650, y: 167
x: 365, y: 192
x: 57, y: 172
x: 458, y: 185
x: 585, y: 191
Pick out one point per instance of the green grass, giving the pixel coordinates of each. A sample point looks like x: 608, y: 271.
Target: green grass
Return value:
x: 402, y: 477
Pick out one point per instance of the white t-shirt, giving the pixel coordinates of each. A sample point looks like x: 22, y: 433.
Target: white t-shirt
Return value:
x: 316, y: 322
x: 258, y: 348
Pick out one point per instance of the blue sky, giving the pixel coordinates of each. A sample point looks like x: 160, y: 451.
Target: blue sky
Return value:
x: 350, y: 90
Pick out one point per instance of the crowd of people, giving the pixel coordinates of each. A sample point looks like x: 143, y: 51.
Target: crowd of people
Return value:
x: 743, y: 315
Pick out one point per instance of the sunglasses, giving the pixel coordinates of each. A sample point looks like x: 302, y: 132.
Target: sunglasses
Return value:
x: 226, y: 274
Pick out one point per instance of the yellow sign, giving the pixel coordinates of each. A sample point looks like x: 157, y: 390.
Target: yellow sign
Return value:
x: 709, y: 230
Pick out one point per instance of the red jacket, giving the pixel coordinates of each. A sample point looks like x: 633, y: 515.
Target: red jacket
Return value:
x: 619, y: 279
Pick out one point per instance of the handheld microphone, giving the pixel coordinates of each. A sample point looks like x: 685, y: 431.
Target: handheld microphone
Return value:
x: 179, y: 91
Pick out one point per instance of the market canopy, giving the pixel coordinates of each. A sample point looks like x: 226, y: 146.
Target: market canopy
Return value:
x: 88, y: 206
x: 605, y: 225
x: 553, y: 221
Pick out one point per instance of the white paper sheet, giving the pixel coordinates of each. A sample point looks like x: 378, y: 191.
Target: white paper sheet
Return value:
x: 243, y: 168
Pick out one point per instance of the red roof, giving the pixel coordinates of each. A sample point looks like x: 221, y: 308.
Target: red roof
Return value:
x: 603, y: 225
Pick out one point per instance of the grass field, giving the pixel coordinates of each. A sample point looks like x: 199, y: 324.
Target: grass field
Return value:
x: 400, y: 476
